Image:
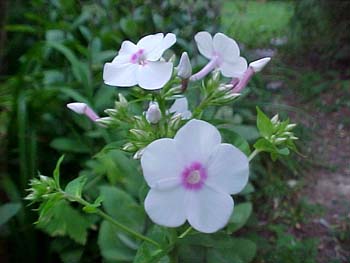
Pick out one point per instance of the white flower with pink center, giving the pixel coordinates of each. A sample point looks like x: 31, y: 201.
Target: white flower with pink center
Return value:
x: 140, y: 64
x: 192, y: 177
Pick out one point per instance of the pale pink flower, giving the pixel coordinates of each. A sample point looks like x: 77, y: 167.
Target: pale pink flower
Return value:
x: 192, y: 178
x: 141, y: 64
x: 223, y: 53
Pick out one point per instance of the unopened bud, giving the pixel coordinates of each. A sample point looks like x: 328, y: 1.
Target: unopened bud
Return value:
x: 129, y: 147
x: 153, y: 114
x: 104, y: 120
x: 139, y: 134
x: 225, y: 87
x: 258, y: 65
x: 139, y: 154
x: 184, y: 69
x: 77, y: 107
x: 290, y: 126
x: 122, y: 100
x: 278, y: 140
x: 274, y: 119
x: 111, y: 111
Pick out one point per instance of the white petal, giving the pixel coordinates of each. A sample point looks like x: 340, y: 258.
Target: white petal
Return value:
x: 127, y: 49
x: 228, y: 169
x: 226, y: 47
x: 196, y: 140
x: 150, y: 44
x: 162, y: 164
x: 166, y: 208
x: 234, y: 70
x: 204, y: 43
x: 120, y: 75
x: 77, y: 107
x: 166, y: 43
x: 180, y: 105
x: 154, y: 75
x: 258, y: 65
x: 208, y: 210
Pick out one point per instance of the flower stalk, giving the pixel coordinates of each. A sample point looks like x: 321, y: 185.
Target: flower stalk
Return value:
x: 110, y: 219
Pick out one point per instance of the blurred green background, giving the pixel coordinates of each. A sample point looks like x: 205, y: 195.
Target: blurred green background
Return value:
x: 52, y: 53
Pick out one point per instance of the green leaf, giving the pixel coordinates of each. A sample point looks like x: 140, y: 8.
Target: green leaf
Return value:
x: 76, y: 186
x: 7, y: 211
x: 69, y: 145
x: 149, y: 253
x: 93, y: 207
x: 235, y: 139
x: 239, y: 216
x: 121, y: 206
x: 237, y: 250
x: 79, y: 69
x: 111, y: 246
x: 264, y: 124
x: 221, y: 248
x: 264, y: 145
x: 56, y: 172
x: 58, y: 218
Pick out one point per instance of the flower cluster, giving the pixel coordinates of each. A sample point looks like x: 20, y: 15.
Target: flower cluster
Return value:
x: 190, y: 172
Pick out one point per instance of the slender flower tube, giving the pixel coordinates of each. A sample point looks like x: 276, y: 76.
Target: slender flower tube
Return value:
x: 83, y: 109
x: 254, y: 67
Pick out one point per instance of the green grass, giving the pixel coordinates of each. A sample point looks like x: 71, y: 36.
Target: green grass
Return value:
x: 254, y: 23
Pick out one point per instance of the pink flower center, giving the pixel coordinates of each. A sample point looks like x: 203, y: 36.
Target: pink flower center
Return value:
x: 138, y: 58
x: 194, y: 176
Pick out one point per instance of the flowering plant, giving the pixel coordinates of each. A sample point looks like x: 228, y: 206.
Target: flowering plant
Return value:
x: 176, y: 203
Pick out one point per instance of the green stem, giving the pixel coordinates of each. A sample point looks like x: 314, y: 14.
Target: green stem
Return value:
x: 188, y: 230
x: 253, y: 154
x: 112, y: 220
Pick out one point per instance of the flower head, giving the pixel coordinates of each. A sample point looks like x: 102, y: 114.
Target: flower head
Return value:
x: 180, y: 106
x: 192, y: 177
x: 223, y: 53
x: 140, y: 64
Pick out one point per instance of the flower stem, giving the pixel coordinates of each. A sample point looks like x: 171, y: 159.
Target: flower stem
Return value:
x: 188, y: 230
x: 253, y: 154
x: 111, y: 220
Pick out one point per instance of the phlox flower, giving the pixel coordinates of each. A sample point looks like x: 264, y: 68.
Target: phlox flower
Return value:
x: 223, y: 53
x: 140, y: 64
x: 180, y: 106
x: 192, y: 177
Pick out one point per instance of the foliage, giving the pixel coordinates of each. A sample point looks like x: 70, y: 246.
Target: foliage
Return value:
x: 323, y: 22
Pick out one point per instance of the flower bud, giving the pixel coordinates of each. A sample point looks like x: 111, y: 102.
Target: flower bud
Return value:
x: 290, y: 126
x: 153, y: 114
x: 129, y: 147
x: 122, y: 100
x: 77, y: 107
x: 184, y: 69
x: 104, y: 120
x: 258, y: 65
x: 139, y: 134
x: 274, y: 119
